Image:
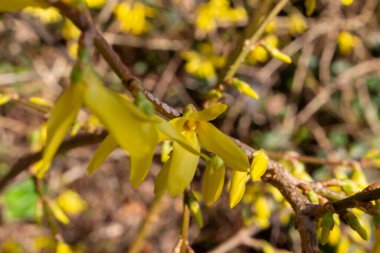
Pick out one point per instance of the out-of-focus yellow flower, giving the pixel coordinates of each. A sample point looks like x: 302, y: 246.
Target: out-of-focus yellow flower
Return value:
x: 310, y: 6
x: 71, y: 202
x: 133, y: 17
x: 272, y: 26
x: 95, y: 3
x: 16, y: 5
x: 297, y: 24
x: 346, y: 2
x: 204, y: 63
x: 63, y: 247
x: 244, y: 88
x: 72, y: 48
x: 218, y: 12
x: 48, y: 16
x: 262, y: 212
x: 346, y: 42
x: 258, y: 54
x: 70, y: 31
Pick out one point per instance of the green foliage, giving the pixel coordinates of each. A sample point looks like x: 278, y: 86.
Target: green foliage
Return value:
x: 20, y: 201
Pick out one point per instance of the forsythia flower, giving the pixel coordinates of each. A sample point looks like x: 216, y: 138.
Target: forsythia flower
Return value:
x: 95, y: 3
x: 70, y: 31
x: 346, y: 2
x: 203, y: 64
x: 259, y: 165
x: 16, y: 5
x: 117, y: 114
x: 346, y: 42
x: 48, y: 16
x: 297, y: 24
x: 179, y: 170
x: 133, y: 17
x: 218, y: 11
x: 213, y: 180
x: 71, y: 202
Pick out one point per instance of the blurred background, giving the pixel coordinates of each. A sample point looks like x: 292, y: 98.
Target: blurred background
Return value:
x: 324, y: 104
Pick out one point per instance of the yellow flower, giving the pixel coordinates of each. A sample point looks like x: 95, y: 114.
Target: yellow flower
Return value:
x: 95, y: 3
x: 346, y: 42
x: 179, y: 170
x: 215, y: 12
x: 70, y: 31
x: 244, y: 88
x: 63, y: 248
x: 133, y: 17
x: 48, y: 16
x: 71, y: 202
x: 213, y: 180
x: 346, y: 2
x: 297, y: 24
x: 204, y: 63
x: 258, y: 54
x: 16, y: 5
x: 259, y: 165
x: 117, y: 114
x: 237, y: 187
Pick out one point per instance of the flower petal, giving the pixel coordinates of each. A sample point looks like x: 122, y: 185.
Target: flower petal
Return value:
x: 182, y: 167
x: 215, y: 141
x: 140, y: 166
x: 213, y: 180
x: 59, y: 122
x: 237, y: 187
x: 259, y: 165
x: 209, y: 113
x: 101, y: 154
x: 124, y: 121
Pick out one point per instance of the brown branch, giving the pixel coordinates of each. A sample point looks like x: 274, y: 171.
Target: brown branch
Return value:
x: 25, y: 161
x: 276, y: 174
x: 360, y: 199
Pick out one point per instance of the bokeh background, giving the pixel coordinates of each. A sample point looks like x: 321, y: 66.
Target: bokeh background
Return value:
x: 324, y: 104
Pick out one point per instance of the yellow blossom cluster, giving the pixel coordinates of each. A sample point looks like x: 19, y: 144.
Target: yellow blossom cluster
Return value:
x: 204, y: 63
x: 133, y: 17
x: 216, y: 12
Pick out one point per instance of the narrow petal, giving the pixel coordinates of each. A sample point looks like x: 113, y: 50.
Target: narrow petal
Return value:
x: 59, y: 122
x: 259, y: 165
x: 237, y: 187
x: 161, y: 182
x: 183, y: 165
x: 101, y: 154
x: 209, y: 113
x: 139, y: 168
x: 215, y: 141
x: 124, y: 121
x: 213, y: 181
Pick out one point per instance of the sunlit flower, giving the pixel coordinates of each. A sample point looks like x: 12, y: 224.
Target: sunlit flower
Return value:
x: 346, y: 42
x: 215, y: 12
x: 48, y: 15
x: 179, y: 170
x: 297, y: 24
x: 133, y: 17
x: 204, y: 63
x: 95, y: 3
x: 17, y: 5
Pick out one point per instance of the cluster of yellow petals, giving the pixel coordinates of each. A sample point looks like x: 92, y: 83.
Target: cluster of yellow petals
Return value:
x: 204, y: 63
x: 133, y: 17
x: 216, y: 12
x: 347, y: 42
